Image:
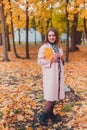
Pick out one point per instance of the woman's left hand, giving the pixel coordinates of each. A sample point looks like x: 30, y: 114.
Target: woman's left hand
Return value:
x: 60, y: 56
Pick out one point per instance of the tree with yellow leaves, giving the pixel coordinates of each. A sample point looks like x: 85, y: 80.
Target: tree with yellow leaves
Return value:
x: 46, y: 14
x: 76, y: 16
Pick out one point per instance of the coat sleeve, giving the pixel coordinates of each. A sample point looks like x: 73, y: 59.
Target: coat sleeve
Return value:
x: 41, y: 60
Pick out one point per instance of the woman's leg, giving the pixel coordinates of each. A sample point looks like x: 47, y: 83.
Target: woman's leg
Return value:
x: 49, y: 110
x: 44, y: 116
x: 51, y: 115
x: 49, y: 106
x: 48, y: 113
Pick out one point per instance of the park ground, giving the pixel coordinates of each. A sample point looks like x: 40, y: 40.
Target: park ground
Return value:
x: 21, y: 96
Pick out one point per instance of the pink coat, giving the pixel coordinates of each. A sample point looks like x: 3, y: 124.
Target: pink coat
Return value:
x: 50, y: 76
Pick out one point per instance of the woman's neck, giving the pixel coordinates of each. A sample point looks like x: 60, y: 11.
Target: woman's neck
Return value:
x: 52, y: 42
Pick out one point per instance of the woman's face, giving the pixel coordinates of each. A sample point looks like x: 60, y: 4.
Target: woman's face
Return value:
x: 51, y: 37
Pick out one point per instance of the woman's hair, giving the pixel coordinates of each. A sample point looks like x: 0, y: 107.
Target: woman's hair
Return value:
x: 56, y: 33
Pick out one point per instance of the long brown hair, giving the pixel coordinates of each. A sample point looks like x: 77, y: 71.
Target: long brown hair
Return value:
x: 56, y: 34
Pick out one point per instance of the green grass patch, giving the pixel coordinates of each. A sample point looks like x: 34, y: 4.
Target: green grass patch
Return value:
x: 41, y: 97
x: 1, y: 114
x: 67, y: 108
x: 17, y: 111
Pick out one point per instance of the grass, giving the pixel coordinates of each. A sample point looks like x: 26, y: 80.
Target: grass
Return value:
x: 67, y: 108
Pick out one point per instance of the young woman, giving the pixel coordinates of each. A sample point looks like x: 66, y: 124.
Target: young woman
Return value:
x: 50, y: 57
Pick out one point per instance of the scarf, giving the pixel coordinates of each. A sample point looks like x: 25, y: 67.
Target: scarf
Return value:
x: 56, y: 50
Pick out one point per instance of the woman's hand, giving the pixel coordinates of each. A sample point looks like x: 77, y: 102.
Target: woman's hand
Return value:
x: 60, y: 56
x: 55, y: 56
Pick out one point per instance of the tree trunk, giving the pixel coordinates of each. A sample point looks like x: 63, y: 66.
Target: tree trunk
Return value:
x: 0, y: 38
x: 85, y: 28
x: 78, y: 37
x: 73, y: 33
x: 19, y: 36
x: 42, y: 34
x: 35, y: 36
x: 51, y: 23
x: 47, y: 23
x: 7, y: 35
x: 67, y: 25
x: 35, y: 30
x: 12, y: 30
x: 27, y: 23
x: 84, y: 21
x: 19, y: 31
x: 4, y: 41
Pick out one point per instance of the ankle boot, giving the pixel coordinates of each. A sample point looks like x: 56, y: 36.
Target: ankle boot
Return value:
x: 43, y: 119
x: 54, y: 118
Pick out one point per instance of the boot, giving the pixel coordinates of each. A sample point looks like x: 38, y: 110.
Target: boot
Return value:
x: 54, y: 118
x: 43, y: 119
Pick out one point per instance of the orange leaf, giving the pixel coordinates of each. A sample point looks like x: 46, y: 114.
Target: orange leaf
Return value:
x: 62, y: 113
x: 48, y: 53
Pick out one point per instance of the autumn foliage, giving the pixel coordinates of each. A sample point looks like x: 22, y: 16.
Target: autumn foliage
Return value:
x: 21, y: 97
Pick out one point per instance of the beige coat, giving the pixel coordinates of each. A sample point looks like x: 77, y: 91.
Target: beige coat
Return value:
x: 51, y: 77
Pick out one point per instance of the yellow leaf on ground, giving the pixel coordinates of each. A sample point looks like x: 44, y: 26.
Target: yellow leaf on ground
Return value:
x: 20, y: 118
x: 28, y: 128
